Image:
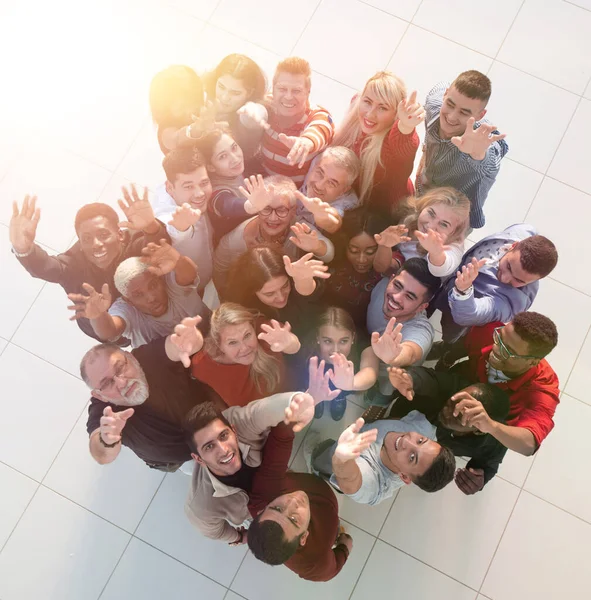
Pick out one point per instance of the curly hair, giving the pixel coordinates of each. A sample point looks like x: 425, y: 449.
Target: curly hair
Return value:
x: 268, y: 543
x: 538, y: 255
x: 439, y: 474
x: 538, y: 331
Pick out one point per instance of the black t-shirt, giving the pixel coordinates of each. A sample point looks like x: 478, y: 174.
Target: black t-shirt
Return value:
x: 154, y: 432
x: 241, y: 479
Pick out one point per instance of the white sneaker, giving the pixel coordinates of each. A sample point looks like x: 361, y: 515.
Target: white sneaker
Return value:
x: 312, y: 440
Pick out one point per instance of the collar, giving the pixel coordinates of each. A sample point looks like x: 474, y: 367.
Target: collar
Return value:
x: 221, y: 490
x: 512, y: 384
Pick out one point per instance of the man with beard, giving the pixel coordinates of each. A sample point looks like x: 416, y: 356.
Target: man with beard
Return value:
x: 140, y: 398
x: 102, y: 245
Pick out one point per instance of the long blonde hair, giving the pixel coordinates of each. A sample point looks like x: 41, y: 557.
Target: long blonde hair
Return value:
x: 264, y: 370
x: 390, y: 89
x: 448, y: 196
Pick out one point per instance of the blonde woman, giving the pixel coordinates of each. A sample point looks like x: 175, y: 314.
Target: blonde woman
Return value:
x: 380, y: 128
x: 233, y: 361
x: 434, y: 229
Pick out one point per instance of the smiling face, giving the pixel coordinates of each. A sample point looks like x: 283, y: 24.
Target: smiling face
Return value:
x: 290, y: 95
x: 511, y: 272
x: 508, y: 351
x: 333, y: 339
x: 439, y: 217
x: 218, y: 450
x: 230, y: 94
x: 276, y: 218
x: 375, y: 115
x: 147, y: 292
x: 193, y: 188
x: 227, y: 159
x: 409, y: 455
x: 292, y: 512
x: 455, y: 112
x: 239, y: 344
x: 404, y: 297
x: 100, y: 241
x: 117, y: 378
x: 361, y: 252
x: 327, y: 180
x: 275, y: 292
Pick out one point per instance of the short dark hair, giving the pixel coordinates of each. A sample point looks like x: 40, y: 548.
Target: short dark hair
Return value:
x: 473, y: 84
x: 494, y: 400
x: 419, y: 269
x: 96, y: 209
x: 538, y: 255
x: 537, y: 331
x: 439, y: 474
x: 267, y: 541
x: 197, y: 418
x: 182, y: 161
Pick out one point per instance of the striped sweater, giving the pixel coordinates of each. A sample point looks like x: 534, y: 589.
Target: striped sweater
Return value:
x: 316, y: 125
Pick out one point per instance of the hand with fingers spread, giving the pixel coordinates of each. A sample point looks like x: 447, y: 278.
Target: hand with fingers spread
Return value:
x: 278, y: 336
x: 466, y: 277
x: 476, y: 142
x: 410, y: 114
x: 204, y: 122
x: 319, y: 382
x: 187, y: 339
x: 402, y: 381
x: 112, y: 424
x: 23, y: 225
x: 305, y: 268
x: 342, y: 373
x: 352, y: 443
x: 257, y: 194
x: 471, y: 412
x: 305, y: 238
x: 316, y: 206
x: 432, y: 241
x: 91, y: 306
x: 300, y: 411
x: 300, y: 148
x: 388, y: 346
x: 392, y: 236
x: 255, y: 113
x: 138, y: 211
x: 184, y: 217
x: 162, y: 257
x: 469, y: 480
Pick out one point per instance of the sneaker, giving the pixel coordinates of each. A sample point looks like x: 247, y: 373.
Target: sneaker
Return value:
x: 437, y: 351
x: 310, y: 443
x: 319, y: 410
x: 338, y: 406
x: 373, y: 397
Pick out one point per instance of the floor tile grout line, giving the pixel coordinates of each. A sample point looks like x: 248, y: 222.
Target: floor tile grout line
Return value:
x: 576, y: 5
x: 238, y: 569
x: 408, y: 26
x: 563, y: 510
x: 2, y: 462
x: 375, y: 541
x: 508, y: 31
x: 19, y: 520
x: 26, y: 314
x: 305, y: 27
x: 243, y: 39
x: 576, y: 360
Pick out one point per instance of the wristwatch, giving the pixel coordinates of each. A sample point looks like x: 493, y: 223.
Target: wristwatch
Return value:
x: 105, y: 443
x: 465, y: 292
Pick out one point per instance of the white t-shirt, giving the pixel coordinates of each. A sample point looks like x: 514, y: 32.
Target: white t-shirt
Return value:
x: 183, y: 301
x: 453, y: 257
x: 196, y: 242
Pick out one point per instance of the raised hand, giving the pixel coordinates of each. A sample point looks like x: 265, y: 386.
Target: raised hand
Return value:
x: 112, y: 424
x: 276, y: 335
x: 305, y: 238
x: 342, y: 373
x: 23, y: 225
x: 318, y: 382
x: 392, y: 236
x: 138, y: 211
x: 314, y: 205
x: 410, y: 113
x: 300, y: 148
x: 162, y: 257
x: 402, y: 381
x: 305, y: 268
x: 476, y: 142
x: 91, y: 306
x: 300, y: 411
x: 470, y: 480
x: 204, y: 121
x: 187, y: 338
x: 254, y: 112
x: 352, y: 443
x: 257, y: 194
x: 471, y: 412
x: 432, y: 241
x: 465, y: 278
x: 184, y: 217
x: 388, y: 346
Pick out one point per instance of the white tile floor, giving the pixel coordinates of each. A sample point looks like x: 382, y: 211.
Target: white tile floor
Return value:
x: 74, y: 126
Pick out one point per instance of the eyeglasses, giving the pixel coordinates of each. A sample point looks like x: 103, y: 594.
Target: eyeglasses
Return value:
x: 120, y: 369
x: 505, y: 352
x: 281, y: 212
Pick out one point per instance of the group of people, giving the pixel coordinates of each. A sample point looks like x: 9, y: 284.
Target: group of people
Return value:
x: 328, y: 262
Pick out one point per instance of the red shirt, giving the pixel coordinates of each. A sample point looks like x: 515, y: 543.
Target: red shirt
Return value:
x: 317, y: 560
x: 533, y: 395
